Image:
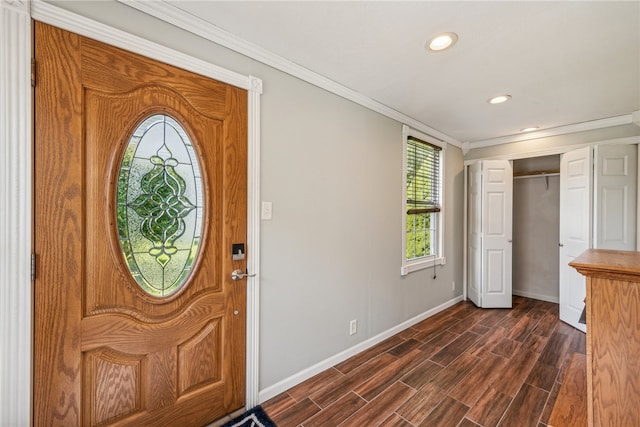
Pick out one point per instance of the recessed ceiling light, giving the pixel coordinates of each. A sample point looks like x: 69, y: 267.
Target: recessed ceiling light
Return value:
x: 529, y: 129
x: 499, y: 99
x: 441, y: 41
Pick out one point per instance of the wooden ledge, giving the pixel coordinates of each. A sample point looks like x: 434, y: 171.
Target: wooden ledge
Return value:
x: 609, y: 264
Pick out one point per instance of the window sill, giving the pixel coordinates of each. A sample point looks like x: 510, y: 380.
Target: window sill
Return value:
x: 417, y: 265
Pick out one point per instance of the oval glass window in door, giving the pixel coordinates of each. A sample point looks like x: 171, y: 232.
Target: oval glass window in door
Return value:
x: 159, y: 205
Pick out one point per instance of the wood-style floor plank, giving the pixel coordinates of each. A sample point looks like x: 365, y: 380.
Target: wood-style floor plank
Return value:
x: 395, y: 420
x: 467, y: 423
x: 454, y: 349
x: 421, y: 375
x: 278, y: 404
x: 405, y: 347
x: 464, y: 366
x: 337, y: 412
x: 556, y: 349
x: 455, y: 372
x: 353, y: 379
x: 315, y: 383
x: 542, y: 376
x: 448, y: 412
x: 523, y: 328
x: 416, y: 409
x: 296, y: 414
x: 490, y: 408
x: 389, y: 375
x: 526, y: 408
x: 515, y: 372
x: 506, y: 348
x: 535, y: 342
x: 381, y: 407
x: 481, y: 376
x: 360, y: 358
x: 488, y: 341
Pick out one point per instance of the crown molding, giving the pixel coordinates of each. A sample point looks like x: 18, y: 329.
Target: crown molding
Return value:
x: 635, y: 117
x: 557, y: 150
x: 560, y: 130
x: 198, y: 26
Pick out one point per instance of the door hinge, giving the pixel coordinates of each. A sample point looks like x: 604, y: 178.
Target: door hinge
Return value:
x: 33, y: 72
x: 33, y: 267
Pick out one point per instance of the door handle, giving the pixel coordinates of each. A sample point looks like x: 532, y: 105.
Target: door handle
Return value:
x: 560, y: 245
x: 238, y: 275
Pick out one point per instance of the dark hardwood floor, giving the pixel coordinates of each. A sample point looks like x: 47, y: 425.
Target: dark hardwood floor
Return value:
x: 462, y: 367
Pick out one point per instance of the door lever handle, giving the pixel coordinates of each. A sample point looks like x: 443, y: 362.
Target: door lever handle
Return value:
x: 238, y: 275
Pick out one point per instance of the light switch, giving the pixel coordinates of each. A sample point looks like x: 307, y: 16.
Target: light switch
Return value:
x: 267, y: 210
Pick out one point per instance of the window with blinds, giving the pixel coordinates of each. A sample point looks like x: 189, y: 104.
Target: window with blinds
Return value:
x: 423, y: 171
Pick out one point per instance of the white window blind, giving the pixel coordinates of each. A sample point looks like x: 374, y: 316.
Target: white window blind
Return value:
x: 423, y: 201
x: 423, y: 177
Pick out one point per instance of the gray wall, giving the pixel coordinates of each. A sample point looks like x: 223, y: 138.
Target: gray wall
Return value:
x: 536, y: 229
x: 333, y: 171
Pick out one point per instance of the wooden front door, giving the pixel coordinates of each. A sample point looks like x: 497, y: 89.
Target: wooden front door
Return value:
x: 140, y: 193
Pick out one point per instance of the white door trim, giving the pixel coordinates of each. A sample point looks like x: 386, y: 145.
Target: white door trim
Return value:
x: 253, y: 243
x: 16, y: 226
x: 15, y: 213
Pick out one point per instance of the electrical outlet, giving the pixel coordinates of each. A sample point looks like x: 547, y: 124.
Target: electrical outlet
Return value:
x: 353, y: 327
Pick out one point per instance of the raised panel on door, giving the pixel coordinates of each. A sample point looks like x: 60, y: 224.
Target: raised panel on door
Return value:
x: 474, y: 223
x: 496, y: 260
x: 137, y: 320
x: 575, y: 230
x: 497, y: 214
x: 615, y: 184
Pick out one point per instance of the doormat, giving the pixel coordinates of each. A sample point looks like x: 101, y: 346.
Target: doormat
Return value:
x: 255, y: 417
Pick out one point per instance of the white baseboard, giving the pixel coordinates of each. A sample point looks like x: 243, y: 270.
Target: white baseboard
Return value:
x: 534, y: 295
x: 307, y: 373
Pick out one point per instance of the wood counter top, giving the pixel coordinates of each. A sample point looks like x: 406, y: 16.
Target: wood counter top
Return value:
x: 607, y: 263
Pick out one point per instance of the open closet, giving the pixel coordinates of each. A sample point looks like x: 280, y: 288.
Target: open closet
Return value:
x: 522, y: 233
x: 536, y: 227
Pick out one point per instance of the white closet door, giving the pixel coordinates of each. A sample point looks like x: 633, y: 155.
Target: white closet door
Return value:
x: 575, y: 230
x: 474, y: 227
x: 615, y: 197
x: 497, y: 220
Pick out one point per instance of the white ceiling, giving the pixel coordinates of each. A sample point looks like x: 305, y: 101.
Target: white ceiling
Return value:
x: 562, y: 62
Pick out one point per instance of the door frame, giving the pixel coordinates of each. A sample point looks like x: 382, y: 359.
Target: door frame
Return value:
x: 16, y: 222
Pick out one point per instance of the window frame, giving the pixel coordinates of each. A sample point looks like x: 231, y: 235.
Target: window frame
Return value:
x: 416, y: 264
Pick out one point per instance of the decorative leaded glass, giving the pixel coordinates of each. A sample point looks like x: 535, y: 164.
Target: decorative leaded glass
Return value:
x: 159, y: 205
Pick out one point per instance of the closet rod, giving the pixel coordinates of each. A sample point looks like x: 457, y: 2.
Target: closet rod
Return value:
x: 533, y: 174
